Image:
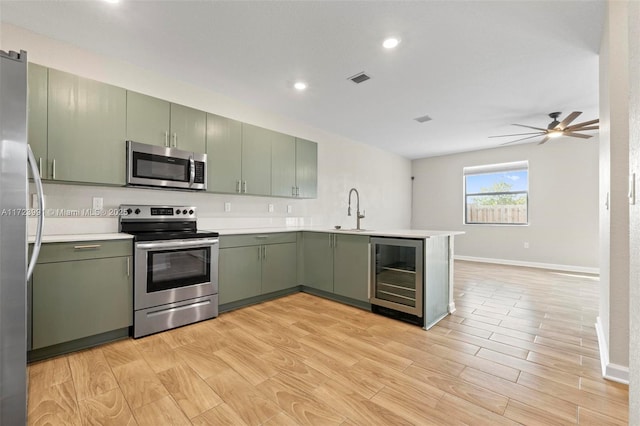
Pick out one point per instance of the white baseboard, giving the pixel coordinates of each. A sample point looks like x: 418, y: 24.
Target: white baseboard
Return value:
x: 553, y: 266
x: 614, y: 372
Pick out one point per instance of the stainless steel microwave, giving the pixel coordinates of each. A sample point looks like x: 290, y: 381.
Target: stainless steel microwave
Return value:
x: 151, y: 165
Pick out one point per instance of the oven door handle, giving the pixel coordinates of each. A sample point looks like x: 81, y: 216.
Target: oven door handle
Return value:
x: 177, y: 244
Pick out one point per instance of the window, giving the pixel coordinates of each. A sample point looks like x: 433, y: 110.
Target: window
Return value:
x: 497, y: 194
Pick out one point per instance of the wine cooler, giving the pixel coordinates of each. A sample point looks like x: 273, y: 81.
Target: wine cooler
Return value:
x: 397, y: 281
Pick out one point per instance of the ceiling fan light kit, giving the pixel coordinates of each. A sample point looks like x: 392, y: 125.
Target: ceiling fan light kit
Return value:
x: 556, y: 129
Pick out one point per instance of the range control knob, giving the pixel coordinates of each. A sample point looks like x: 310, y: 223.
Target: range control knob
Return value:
x: 184, y: 211
x: 137, y: 211
x: 129, y: 211
x: 191, y: 211
x: 177, y: 211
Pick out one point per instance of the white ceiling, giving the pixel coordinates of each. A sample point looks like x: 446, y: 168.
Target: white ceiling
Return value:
x: 473, y: 66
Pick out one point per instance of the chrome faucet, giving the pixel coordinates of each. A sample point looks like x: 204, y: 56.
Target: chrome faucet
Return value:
x: 358, y: 215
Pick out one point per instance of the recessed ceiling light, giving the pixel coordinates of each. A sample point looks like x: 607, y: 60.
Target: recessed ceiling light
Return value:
x: 300, y: 85
x: 390, y: 42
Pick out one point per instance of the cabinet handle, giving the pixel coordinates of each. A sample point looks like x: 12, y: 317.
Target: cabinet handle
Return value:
x: 244, y: 186
x: 128, y: 274
x: 264, y: 252
x: 259, y: 252
x: 53, y: 169
x: 166, y: 138
x: 175, y: 140
x: 297, y: 191
x: 293, y: 191
x: 238, y: 186
x: 335, y: 241
x: 87, y: 246
x: 40, y: 166
x: 331, y: 240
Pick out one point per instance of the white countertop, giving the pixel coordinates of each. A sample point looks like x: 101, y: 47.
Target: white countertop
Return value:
x: 64, y: 238
x: 395, y: 233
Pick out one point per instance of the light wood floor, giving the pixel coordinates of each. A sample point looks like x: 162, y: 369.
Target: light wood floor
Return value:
x: 520, y: 349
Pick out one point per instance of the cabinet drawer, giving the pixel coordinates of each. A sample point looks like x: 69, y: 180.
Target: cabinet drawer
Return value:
x: 80, y: 250
x: 227, y: 241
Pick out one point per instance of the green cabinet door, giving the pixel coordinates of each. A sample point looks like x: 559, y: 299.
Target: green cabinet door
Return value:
x: 188, y: 128
x: 148, y: 119
x: 318, y: 260
x: 283, y: 165
x: 86, y: 129
x: 37, y: 106
x: 306, y: 168
x: 351, y: 266
x: 224, y: 154
x: 239, y: 273
x: 256, y: 160
x: 72, y: 300
x: 278, y: 267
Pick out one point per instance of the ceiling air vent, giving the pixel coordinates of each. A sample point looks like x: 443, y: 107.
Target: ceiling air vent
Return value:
x: 359, y: 78
x: 423, y: 119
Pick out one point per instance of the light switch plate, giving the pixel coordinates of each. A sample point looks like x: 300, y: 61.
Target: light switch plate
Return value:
x: 270, y: 208
x: 289, y: 209
x: 98, y: 203
x: 227, y: 207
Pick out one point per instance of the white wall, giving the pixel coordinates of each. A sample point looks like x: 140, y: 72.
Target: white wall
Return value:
x: 613, y: 326
x: 563, y: 197
x: 634, y: 213
x: 382, y: 178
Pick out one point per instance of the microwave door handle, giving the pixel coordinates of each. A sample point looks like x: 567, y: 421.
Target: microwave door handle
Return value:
x: 192, y: 170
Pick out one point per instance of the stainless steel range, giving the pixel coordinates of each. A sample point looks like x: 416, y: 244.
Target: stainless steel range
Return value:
x: 175, y: 267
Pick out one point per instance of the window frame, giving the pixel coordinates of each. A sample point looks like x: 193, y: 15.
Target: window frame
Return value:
x: 495, y: 169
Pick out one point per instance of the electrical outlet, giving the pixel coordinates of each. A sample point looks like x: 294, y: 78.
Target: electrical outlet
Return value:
x: 270, y: 208
x: 526, y: 244
x: 227, y: 207
x: 289, y: 209
x: 98, y: 203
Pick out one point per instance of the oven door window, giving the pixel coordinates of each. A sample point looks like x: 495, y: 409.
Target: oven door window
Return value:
x: 168, y: 269
x: 160, y: 167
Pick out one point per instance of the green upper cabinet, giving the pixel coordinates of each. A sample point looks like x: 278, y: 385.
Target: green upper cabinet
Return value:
x: 224, y: 154
x: 256, y: 160
x: 158, y: 122
x: 37, y: 104
x: 306, y: 168
x: 148, y: 119
x: 283, y: 165
x: 188, y: 128
x: 86, y: 129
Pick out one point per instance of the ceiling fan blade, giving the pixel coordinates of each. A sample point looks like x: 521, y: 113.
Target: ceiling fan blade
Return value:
x: 518, y: 140
x: 579, y: 129
x: 568, y: 119
x: 531, y: 127
x: 577, y: 135
x: 545, y: 139
x: 517, y: 134
x: 585, y: 123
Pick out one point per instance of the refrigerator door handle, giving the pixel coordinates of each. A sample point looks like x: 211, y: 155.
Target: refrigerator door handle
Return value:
x: 31, y: 159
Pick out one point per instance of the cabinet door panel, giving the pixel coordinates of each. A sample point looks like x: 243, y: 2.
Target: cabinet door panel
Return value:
x: 37, y: 104
x: 224, y: 154
x: 148, y: 119
x: 307, y: 168
x: 239, y: 274
x: 278, y: 267
x: 78, y: 299
x: 283, y: 165
x: 318, y: 260
x: 351, y: 267
x: 256, y: 159
x: 188, y: 128
x: 86, y: 129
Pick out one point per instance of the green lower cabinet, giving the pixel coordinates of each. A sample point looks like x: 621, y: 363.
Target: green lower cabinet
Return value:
x: 318, y: 260
x: 239, y: 273
x: 351, y: 266
x: 76, y: 299
x: 337, y: 263
x: 278, y: 267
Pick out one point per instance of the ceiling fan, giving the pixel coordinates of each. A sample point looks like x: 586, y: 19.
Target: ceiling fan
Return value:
x: 556, y: 128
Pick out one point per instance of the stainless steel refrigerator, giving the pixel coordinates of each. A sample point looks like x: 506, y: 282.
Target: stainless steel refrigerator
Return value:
x: 14, y: 273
